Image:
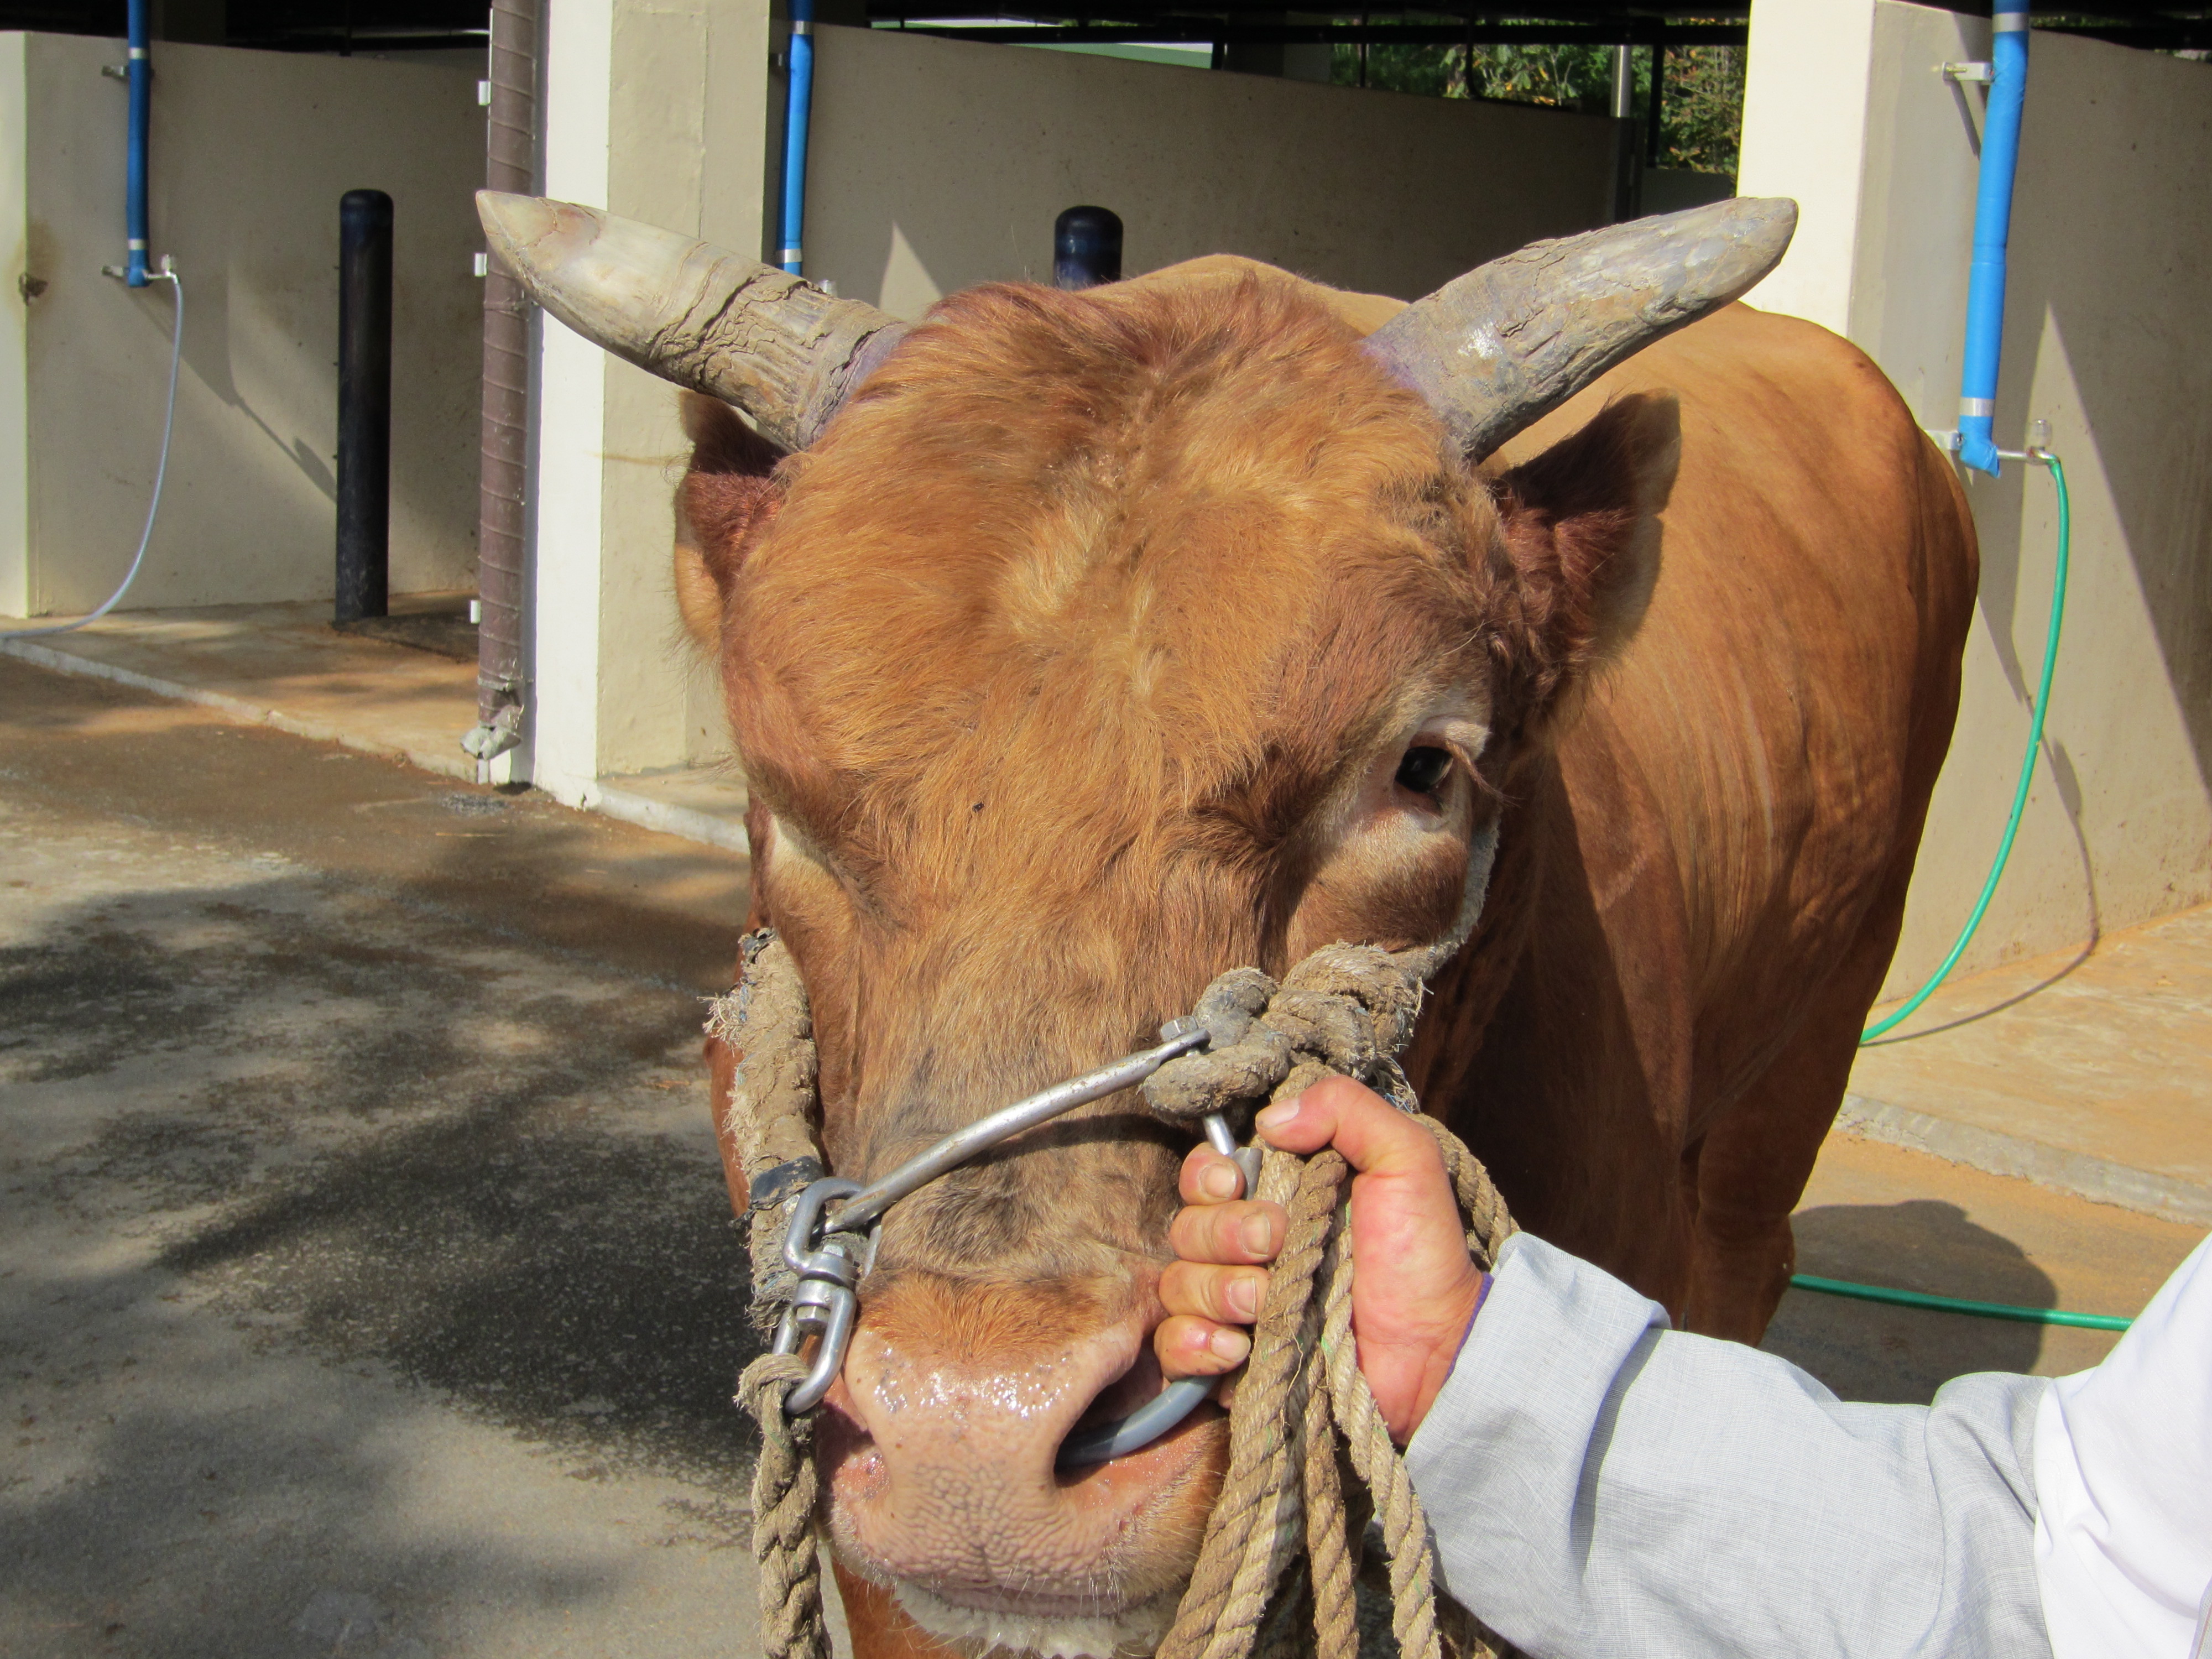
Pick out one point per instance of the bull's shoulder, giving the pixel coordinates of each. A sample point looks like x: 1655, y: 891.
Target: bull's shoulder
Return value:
x: 1364, y: 313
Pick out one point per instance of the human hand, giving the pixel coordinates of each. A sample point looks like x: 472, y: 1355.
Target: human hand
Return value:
x: 1408, y: 1322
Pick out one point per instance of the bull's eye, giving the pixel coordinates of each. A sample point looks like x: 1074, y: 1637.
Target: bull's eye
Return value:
x: 1424, y: 770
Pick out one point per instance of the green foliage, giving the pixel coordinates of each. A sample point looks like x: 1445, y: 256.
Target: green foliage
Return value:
x: 1702, y: 117
x: 1698, y: 123
x: 1431, y: 71
x: 1564, y: 77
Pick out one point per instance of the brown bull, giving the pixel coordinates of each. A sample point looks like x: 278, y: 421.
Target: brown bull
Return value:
x: 1104, y: 642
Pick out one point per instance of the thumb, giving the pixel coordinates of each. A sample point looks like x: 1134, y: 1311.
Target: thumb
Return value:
x: 1376, y: 1138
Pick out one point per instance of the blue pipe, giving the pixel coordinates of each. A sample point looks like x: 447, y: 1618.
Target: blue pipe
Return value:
x: 797, y: 110
x: 141, y: 73
x: 1985, y: 280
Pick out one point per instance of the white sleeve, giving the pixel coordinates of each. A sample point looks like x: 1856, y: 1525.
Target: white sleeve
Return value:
x: 2124, y: 1483
x: 1600, y: 1485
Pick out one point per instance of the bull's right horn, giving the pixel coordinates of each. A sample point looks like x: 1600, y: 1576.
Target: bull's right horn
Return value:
x: 773, y: 345
x: 1497, y: 350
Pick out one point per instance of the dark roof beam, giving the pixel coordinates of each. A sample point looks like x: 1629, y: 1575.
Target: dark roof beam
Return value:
x: 1197, y: 31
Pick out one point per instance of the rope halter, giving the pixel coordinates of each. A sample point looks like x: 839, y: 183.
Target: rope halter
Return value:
x: 1347, y: 1010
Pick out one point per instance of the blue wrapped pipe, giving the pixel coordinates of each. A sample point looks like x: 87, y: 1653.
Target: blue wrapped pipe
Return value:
x: 140, y: 71
x: 1985, y: 280
x: 798, y: 108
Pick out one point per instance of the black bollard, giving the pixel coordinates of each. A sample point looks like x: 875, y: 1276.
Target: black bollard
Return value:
x: 1086, y: 247
x: 364, y: 404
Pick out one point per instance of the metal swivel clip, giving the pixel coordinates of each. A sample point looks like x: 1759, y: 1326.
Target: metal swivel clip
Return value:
x: 827, y: 1301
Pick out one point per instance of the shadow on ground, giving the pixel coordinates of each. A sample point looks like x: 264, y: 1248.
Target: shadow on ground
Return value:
x: 272, y: 1146
x: 1866, y: 1350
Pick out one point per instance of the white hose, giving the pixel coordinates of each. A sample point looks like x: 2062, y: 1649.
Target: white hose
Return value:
x: 161, y: 472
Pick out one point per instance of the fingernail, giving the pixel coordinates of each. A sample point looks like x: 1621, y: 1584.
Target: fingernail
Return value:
x: 1220, y: 1180
x: 1279, y: 1115
x: 1243, y: 1296
x: 1254, y: 1234
x: 1232, y: 1345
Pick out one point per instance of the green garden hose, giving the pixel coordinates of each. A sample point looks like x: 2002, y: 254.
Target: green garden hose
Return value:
x: 2041, y: 708
x: 2028, y: 762
x: 1958, y: 1304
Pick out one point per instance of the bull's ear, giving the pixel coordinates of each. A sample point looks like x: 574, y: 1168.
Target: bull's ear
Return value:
x: 727, y: 494
x: 1581, y: 531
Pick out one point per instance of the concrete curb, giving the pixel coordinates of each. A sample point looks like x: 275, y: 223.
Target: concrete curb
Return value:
x: 616, y: 802
x: 1997, y: 1154
x: 456, y: 765
x: 668, y: 818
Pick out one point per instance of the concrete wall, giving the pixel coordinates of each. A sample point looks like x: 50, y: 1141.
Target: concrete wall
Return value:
x: 2108, y: 337
x: 250, y: 152
x: 937, y: 164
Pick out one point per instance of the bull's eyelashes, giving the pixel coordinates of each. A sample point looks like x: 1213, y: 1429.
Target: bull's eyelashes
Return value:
x: 1435, y: 768
x: 1423, y: 769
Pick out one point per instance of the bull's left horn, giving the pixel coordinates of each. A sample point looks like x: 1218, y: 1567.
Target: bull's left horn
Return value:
x: 779, y: 349
x: 1505, y: 345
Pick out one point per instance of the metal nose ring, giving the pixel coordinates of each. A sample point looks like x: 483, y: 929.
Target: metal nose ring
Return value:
x: 827, y: 1303
x: 1103, y: 1442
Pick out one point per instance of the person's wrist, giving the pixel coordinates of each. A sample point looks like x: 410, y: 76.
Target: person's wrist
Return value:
x: 1445, y: 1357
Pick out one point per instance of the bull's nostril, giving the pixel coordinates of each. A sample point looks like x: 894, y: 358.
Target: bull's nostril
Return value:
x: 843, y: 1443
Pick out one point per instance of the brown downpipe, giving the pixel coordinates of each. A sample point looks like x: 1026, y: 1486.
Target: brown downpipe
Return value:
x: 511, y: 164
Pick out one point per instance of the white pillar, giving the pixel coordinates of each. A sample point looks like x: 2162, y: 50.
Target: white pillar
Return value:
x: 1807, y: 85
x: 657, y: 110
x: 563, y: 722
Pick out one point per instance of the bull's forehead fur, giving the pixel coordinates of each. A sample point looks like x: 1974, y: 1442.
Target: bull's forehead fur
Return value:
x: 1060, y: 645
x: 1114, y: 550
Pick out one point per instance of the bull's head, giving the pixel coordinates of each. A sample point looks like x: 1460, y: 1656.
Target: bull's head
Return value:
x: 1080, y: 647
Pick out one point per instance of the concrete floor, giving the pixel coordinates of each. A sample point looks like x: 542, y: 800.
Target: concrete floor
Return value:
x: 367, y: 1280
x: 366, y: 1255
x: 1883, y: 1215
x: 2088, y: 1071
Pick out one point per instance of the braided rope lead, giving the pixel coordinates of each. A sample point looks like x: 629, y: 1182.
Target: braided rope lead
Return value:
x: 1376, y: 1461
x: 1345, y: 1010
x: 1330, y: 1531
x: 786, y: 1489
x: 1254, y: 1523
